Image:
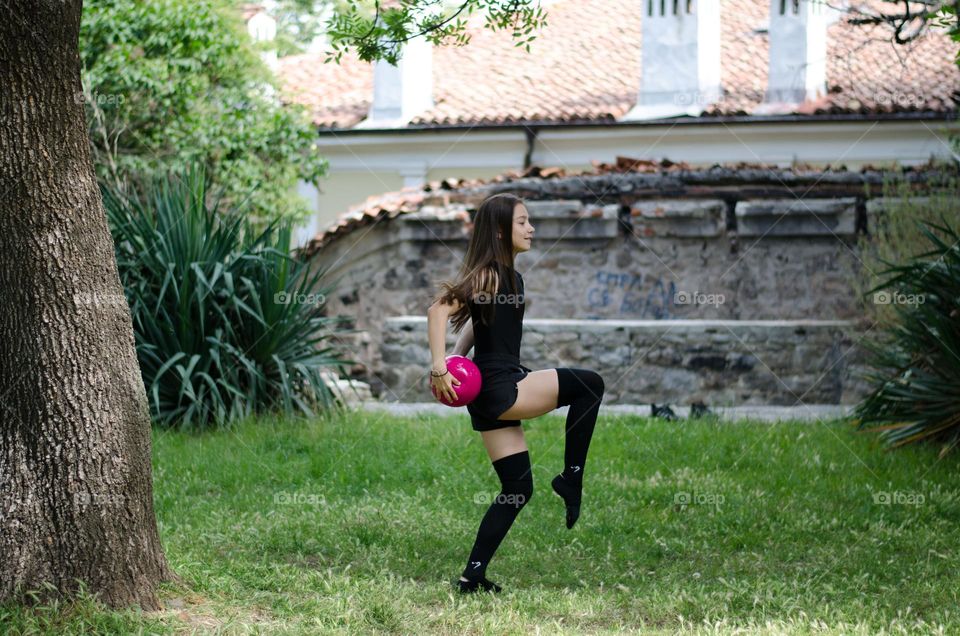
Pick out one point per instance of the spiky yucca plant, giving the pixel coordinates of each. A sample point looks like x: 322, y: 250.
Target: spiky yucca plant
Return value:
x: 915, y: 364
x: 227, y: 322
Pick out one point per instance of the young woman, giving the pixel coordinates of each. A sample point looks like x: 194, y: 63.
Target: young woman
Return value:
x: 486, y: 305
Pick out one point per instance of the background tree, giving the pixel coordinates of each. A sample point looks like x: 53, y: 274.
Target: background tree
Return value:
x: 300, y: 22
x: 76, y: 493
x: 906, y: 19
x: 169, y: 83
x: 380, y: 31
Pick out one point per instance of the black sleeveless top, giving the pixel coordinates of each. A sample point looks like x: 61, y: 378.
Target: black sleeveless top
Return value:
x: 504, y: 333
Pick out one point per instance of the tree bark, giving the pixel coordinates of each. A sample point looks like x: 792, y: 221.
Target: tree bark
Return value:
x: 76, y: 492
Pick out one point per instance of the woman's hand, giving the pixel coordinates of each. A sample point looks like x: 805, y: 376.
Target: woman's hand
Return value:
x: 437, y: 317
x: 444, y: 384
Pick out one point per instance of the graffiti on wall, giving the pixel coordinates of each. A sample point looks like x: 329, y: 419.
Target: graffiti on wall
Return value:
x: 628, y: 294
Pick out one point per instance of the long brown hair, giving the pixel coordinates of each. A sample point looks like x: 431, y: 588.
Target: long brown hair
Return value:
x: 484, y: 262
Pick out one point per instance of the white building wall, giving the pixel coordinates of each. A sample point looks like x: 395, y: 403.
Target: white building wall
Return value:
x: 364, y: 165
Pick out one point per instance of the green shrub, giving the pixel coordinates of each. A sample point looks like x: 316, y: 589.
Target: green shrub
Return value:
x: 227, y: 322
x: 915, y: 362
x: 896, y: 234
x: 167, y: 83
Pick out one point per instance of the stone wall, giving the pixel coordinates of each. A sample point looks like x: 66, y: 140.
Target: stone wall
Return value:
x: 721, y: 362
x: 629, y: 248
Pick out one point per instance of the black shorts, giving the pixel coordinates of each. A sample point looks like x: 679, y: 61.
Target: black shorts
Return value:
x: 499, y: 373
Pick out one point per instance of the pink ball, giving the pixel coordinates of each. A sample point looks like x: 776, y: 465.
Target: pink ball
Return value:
x: 464, y: 370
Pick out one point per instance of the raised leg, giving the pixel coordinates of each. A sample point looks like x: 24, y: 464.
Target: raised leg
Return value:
x: 582, y: 390
x: 536, y: 395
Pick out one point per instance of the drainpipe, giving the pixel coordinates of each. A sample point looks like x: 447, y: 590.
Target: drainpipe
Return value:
x: 531, y: 134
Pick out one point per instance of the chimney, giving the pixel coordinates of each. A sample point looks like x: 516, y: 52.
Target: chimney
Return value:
x: 262, y: 28
x: 403, y: 91
x: 680, y: 72
x: 798, y: 50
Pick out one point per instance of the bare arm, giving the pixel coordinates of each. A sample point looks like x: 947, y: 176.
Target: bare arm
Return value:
x: 437, y: 317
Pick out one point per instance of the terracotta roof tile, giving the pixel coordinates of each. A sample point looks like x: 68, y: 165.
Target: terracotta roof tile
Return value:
x: 337, y: 96
x: 866, y: 72
x: 585, y: 66
x: 460, y: 195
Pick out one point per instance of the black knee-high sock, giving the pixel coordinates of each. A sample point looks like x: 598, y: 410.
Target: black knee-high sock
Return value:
x: 516, y: 479
x: 582, y: 389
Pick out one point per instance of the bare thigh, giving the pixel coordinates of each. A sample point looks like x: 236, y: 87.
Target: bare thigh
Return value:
x: 501, y: 442
x: 536, y: 395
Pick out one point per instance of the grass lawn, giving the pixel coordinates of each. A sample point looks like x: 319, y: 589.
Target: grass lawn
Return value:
x: 359, y: 525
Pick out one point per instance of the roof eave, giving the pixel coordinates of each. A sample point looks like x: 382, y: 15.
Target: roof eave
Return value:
x: 675, y: 121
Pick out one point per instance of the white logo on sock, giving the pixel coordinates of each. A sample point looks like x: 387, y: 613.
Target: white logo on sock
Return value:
x: 576, y: 469
x: 476, y: 564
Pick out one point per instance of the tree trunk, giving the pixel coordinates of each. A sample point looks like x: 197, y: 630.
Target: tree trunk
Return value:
x: 76, y: 493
